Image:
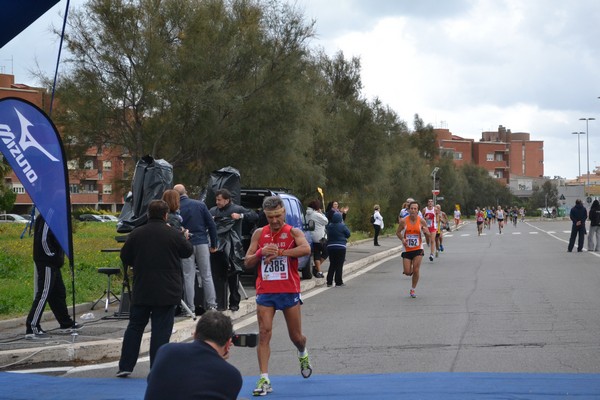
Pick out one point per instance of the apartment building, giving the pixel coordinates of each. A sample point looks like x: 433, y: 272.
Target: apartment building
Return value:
x: 512, y: 158
x: 96, y: 180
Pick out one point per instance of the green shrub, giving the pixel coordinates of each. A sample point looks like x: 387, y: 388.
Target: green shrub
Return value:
x: 16, y: 266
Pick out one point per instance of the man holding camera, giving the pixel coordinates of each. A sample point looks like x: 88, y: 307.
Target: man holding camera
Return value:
x: 154, y: 251
x: 197, y: 370
x: 274, y: 250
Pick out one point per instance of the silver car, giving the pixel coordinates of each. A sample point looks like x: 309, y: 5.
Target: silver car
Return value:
x: 12, y: 218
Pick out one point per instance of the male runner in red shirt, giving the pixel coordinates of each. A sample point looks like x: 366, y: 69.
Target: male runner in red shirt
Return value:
x: 274, y: 250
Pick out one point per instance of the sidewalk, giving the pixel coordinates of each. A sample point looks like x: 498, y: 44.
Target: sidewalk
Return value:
x: 100, y: 338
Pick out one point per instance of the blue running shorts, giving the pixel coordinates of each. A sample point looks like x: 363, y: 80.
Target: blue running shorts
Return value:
x: 279, y: 301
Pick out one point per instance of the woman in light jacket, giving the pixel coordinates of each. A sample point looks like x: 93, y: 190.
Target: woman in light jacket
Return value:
x: 319, y: 238
x: 377, y: 224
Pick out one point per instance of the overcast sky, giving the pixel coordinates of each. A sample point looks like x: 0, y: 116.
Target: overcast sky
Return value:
x: 466, y: 65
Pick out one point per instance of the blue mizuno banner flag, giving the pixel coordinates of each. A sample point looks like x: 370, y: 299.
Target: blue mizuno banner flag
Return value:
x: 32, y: 146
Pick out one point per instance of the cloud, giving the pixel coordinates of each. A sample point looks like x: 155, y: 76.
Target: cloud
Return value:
x: 468, y: 65
x: 473, y: 65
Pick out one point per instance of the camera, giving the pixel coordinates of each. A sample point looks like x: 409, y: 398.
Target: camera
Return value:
x: 245, y: 339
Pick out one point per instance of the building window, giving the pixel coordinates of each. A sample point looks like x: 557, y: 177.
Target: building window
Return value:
x: 88, y: 187
x: 458, y: 155
x: 89, y: 164
x: 107, y: 165
x: 499, y: 157
x: 73, y: 188
x: 72, y: 165
x: 18, y: 189
x: 107, y: 189
x: 489, y: 157
x: 499, y: 173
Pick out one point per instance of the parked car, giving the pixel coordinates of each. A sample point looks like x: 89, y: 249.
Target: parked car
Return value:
x: 294, y: 215
x: 12, y: 218
x: 26, y: 216
x: 90, y: 218
x: 109, y: 218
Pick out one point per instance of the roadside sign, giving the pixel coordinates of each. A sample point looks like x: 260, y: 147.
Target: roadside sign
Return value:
x: 440, y: 198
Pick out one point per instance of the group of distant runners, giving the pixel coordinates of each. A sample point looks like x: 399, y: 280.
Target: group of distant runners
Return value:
x: 487, y: 216
x: 430, y: 222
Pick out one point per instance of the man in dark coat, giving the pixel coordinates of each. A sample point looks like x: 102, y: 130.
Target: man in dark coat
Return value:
x: 578, y: 215
x: 230, y: 256
x: 154, y: 251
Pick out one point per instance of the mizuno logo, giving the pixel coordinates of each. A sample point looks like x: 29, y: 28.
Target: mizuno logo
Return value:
x: 26, y: 141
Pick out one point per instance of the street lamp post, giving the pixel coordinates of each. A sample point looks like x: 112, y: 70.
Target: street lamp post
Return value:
x: 433, y: 174
x: 587, y: 139
x: 578, y: 152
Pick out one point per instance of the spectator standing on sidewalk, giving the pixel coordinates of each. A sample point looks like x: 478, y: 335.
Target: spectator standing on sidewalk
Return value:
x: 48, y: 257
x: 171, y: 197
x: 154, y: 250
x: 201, y: 225
x: 229, y: 216
x: 594, y: 234
x: 333, y: 207
x: 377, y: 224
x: 337, y: 237
x: 319, y: 237
x: 578, y: 216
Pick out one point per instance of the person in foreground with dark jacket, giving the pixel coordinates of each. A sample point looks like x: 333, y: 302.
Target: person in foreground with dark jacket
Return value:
x: 578, y: 215
x: 229, y: 258
x: 154, y: 251
x: 49, y: 257
x: 337, y: 236
x: 197, y: 370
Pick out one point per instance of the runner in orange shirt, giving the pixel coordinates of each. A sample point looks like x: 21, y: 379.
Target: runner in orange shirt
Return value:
x: 409, y: 232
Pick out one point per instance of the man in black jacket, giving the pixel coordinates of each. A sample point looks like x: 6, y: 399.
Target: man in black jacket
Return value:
x: 154, y: 251
x: 197, y: 370
x: 49, y: 258
x: 578, y: 215
x: 230, y: 256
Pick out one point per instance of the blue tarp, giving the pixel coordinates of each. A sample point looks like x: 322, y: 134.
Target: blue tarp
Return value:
x: 425, y: 386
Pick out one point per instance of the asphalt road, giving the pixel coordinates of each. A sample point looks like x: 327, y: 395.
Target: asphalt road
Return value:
x: 515, y: 302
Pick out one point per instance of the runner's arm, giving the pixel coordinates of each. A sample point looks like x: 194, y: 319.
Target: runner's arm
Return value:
x: 251, y: 260
x: 302, y: 247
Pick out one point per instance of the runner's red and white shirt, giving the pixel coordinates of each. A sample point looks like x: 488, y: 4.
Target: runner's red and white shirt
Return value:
x: 281, y: 274
x: 429, y: 216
